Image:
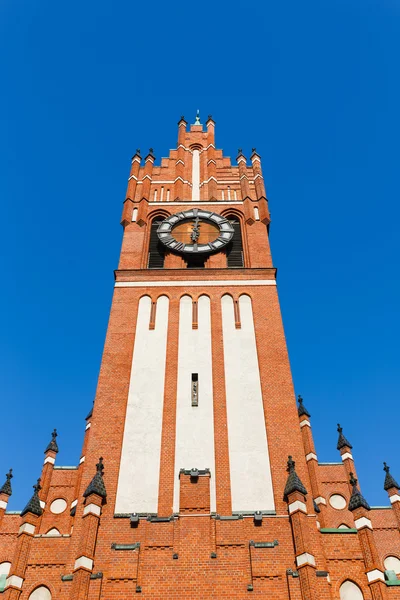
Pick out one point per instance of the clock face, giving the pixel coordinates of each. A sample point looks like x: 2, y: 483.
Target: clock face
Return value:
x: 195, y: 230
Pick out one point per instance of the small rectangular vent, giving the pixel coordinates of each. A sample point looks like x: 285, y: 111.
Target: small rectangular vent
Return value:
x: 195, y: 389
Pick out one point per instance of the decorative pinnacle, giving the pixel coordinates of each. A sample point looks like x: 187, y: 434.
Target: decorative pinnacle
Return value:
x: 96, y: 486
x: 301, y: 408
x: 240, y: 151
x: 390, y: 481
x: 197, y: 121
x: 293, y: 483
x: 342, y: 441
x: 6, y: 489
x: 53, y: 444
x: 33, y: 505
x: 357, y: 500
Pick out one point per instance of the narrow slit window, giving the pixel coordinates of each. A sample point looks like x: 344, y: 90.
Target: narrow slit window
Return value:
x: 234, y: 250
x: 195, y: 317
x: 195, y: 389
x: 152, y: 323
x: 238, y: 324
x: 156, y: 248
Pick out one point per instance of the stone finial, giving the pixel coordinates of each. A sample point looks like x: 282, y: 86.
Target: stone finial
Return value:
x: 137, y: 153
x: 6, y: 488
x: 301, y: 408
x: 151, y: 153
x: 293, y: 483
x: 96, y: 486
x: 33, y: 505
x: 390, y: 481
x: 52, y: 444
x: 197, y: 120
x: 342, y: 441
x: 209, y: 118
x: 357, y: 500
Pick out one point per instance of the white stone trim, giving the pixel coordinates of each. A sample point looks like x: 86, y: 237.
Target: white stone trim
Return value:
x: 346, y: 456
x: 146, y: 177
x: 375, y: 575
x: 297, y: 505
x: 241, y: 159
x: 14, y: 581
x: 394, y: 498
x: 132, y: 177
x: 74, y: 503
x: 305, y: 558
x: 201, y: 202
x: 304, y: 423
x: 136, y: 159
x: 92, y: 509
x: 49, y: 459
x: 180, y: 161
x: 211, y: 161
x: 42, y: 504
x: 363, y: 522
x: 311, y: 456
x: 85, y: 562
x: 209, y: 146
x: 82, y: 460
x: 88, y: 426
x: 318, y: 524
x: 320, y: 500
x: 27, y: 528
x: 149, y: 158
x: 3, y: 504
x: 242, y: 177
x: 258, y: 176
x: 207, y: 283
x: 207, y: 180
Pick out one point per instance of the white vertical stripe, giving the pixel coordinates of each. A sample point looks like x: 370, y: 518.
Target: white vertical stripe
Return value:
x: 222, y: 195
x: 167, y: 195
x: 256, y: 213
x: 162, y: 193
x: 235, y: 194
x: 134, y: 215
x: 196, y: 175
x: 229, y: 192
x: 155, y: 196
x: 140, y: 461
x: 251, y: 482
x: 194, y: 446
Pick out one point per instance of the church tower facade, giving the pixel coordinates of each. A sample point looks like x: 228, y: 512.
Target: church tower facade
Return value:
x: 198, y: 476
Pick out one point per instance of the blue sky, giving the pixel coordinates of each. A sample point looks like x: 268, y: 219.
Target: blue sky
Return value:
x: 314, y: 86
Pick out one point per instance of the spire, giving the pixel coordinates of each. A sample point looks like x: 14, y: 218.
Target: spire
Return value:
x: 96, y: 486
x: 342, y: 441
x: 52, y: 444
x: 33, y: 505
x: 6, y: 489
x: 293, y: 483
x: 390, y: 482
x: 357, y: 500
x: 301, y: 408
x: 197, y: 121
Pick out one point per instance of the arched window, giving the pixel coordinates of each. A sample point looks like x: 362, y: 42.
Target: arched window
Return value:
x: 156, y: 248
x: 234, y: 251
x: 350, y: 591
x: 4, y: 571
x: 41, y: 593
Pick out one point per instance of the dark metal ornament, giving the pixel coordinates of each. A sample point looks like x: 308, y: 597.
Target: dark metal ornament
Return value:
x: 197, y: 215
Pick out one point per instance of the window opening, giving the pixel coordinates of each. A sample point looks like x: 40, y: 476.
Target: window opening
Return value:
x: 195, y: 389
x: 234, y: 250
x: 156, y: 248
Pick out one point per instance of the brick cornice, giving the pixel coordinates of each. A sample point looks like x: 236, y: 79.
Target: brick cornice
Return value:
x: 194, y: 275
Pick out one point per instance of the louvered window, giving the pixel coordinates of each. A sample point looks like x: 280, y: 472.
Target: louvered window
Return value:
x: 234, y: 251
x: 156, y: 248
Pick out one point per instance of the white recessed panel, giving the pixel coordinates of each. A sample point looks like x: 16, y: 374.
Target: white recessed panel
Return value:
x: 392, y: 563
x: 251, y: 483
x: 141, y: 450
x: 337, y: 501
x: 194, y: 446
x: 58, y: 506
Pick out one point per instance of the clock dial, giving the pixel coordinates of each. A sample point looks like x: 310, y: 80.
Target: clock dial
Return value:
x: 195, y: 230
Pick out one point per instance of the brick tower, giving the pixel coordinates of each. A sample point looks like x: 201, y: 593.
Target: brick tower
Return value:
x: 198, y: 476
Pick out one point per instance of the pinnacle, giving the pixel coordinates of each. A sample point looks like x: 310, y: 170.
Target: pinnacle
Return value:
x: 390, y: 481
x: 6, y: 488
x: 293, y: 483
x: 33, y: 505
x: 96, y: 486
x: 53, y: 444
x: 357, y: 500
x: 342, y: 441
x: 301, y: 408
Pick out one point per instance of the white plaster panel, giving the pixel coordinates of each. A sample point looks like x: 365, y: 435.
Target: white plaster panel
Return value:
x: 41, y: 593
x: 297, y: 505
x: 3, y: 504
x: 392, y: 563
x: 5, y: 568
x: 88, y: 426
x: 347, y: 456
x: 15, y: 581
x: 27, y: 528
x: 320, y: 500
x: 394, y: 498
x: 350, y: 591
x: 250, y: 472
x: 83, y: 561
x: 93, y: 509
x: 305, y: 423
x: 363, y: 522
x: 81, y: 460
x: 304, y: 559
x: 42, y: 503
x: 49, y: 459
x: 311, y: 456
x: 337, y: 501
x: 202, y: 283
x: 194, y: 446
x: 374, y: 575
x: 141, y: 450
x: 58, y: 506
x: 196, y: 175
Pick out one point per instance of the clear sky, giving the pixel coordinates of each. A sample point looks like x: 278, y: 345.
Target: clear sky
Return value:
x: 313, y: 85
